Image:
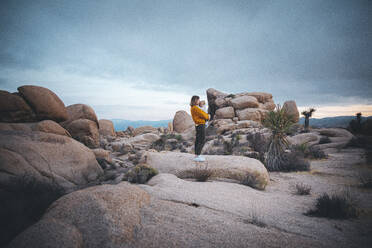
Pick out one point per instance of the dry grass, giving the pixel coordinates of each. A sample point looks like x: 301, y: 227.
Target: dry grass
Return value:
x: 302, y: 189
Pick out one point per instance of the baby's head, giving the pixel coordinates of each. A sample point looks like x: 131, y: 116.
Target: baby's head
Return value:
x: 202, y: 103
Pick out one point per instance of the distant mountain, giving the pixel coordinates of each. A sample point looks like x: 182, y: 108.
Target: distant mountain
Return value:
x: 121, y: 125
x: 338, y: 121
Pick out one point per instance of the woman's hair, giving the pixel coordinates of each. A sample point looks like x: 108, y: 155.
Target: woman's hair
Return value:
x: 193, y: 100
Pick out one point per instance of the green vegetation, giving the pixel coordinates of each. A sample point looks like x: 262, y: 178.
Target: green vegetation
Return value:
x: 140, y: 174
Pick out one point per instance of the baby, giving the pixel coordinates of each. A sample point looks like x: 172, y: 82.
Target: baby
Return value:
x: 203, y: 107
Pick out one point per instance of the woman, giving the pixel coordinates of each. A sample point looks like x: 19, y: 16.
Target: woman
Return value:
x: 199, y: 117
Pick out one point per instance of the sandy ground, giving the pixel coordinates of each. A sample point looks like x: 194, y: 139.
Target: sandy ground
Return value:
x: 227, y: 209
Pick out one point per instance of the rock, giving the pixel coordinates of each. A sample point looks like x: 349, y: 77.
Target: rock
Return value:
x: 189, y: 134
x: 130, y: 130
x: 225, y: 113
x: 46, y: 156
x: 238, y: 125
x: 143, y: 141
x: 304, y: 138
x: 13, y: 108
x: 144, y: 129
x: 339, y: 138
x: 253, y: 114
x: 46, y: 126
x: 85, y: 131
x: 243, y: 102
x: 182, y: 121
x: 212, y: 95
x: 100, y: 216
x: 221, y: 102
x: 102, y: 154
x: 262, y: 97
x: 122, y: 146
x: 291, y: 108
x: 232, y: 167
x: 45, y: 103
x: 106, y: 128
x: 269, y: 105
x: 80, y: 111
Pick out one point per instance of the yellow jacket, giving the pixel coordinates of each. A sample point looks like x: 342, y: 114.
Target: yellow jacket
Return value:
x: 198, y: 115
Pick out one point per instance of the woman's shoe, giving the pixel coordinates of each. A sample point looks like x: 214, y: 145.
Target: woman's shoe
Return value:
x: 199, y: 159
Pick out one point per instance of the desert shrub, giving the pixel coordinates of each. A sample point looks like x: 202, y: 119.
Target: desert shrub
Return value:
x: 324, y: 140
x: 227, y: 147
x: 279, y: 122
x: 140, y: 174
x: 302, y: 189
x: 365, y: 179
x: 294, y: 161
x: 337, y: 206
x: 315, y: 152
x: 200, y: 173
x: 253, y: 180
x: 231, y: 95
x: 160, y: 144
x: 23, y: 202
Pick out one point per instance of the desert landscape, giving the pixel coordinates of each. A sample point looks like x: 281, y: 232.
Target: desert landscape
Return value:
x: 70, y: 180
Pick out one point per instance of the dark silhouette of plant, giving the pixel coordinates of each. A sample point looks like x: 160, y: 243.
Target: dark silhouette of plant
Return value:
x: 279, y: 123
x: 308, y: 114
x: 302, y: 189
x: 338, y: 206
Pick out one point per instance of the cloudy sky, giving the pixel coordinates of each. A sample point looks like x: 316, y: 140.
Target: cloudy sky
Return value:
x: 145, y: 59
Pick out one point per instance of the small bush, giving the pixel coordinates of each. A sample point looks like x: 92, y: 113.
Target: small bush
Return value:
x: 294, y: 161
x: 23, y: 202
x: 324, y: 140
x: 338, y: 206
x: 317, y: 153
x: 365, y: 179
x: 140, y: 174
x: 302, y: 189
x: 200, y: 173
x: 160, y: 144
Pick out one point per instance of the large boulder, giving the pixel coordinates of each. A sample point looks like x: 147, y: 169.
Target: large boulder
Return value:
x: 262, y: 97
x: 290, y: 107
x: 304, y: 138
x: 45, y: 103
x: 142, y: 141
x: 244, y: 102
x: 46, y: 126
x: 80, y: 111
x: 212, y: 96
x: 339, y: 138
x: 231, y: 167
x: 225, y: 113
x: 100, y: 216
x: 85, y: 131
x: 182, y: 121
x: 145, y: 129
x: 253, y: 114
x: 13, y: 108
x: 46, y: 156
x: 106, y: 128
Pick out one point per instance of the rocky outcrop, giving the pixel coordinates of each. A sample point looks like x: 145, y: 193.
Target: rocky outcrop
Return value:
x: 80, y: 111
x: 101, y: 216
x: 244, y: 106
x: 85, y: 131
x: 231, y: 167
x: 182, y: 121
x: 291, y: 109
x: 46, y: 156
x: 46, y: 126
x: 14, y: 108
x: 144, y: 129
x: 106, y: 128
x: 45, y: 103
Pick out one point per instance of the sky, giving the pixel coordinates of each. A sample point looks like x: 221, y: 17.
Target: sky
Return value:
x: 143, y: 60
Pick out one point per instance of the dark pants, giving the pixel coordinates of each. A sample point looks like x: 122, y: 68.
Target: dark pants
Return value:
x: 200, y: 138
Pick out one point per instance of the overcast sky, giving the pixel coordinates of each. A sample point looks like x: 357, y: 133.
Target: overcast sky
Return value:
x: 145, y: 59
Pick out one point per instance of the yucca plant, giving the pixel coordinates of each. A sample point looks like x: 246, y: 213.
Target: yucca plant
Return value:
x: 308, y: 114
x: 279, y: 123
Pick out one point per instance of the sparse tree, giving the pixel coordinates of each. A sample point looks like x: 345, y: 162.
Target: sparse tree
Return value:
x: 308, y: 114
x: 279, y: 123
x: 359, y: 118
